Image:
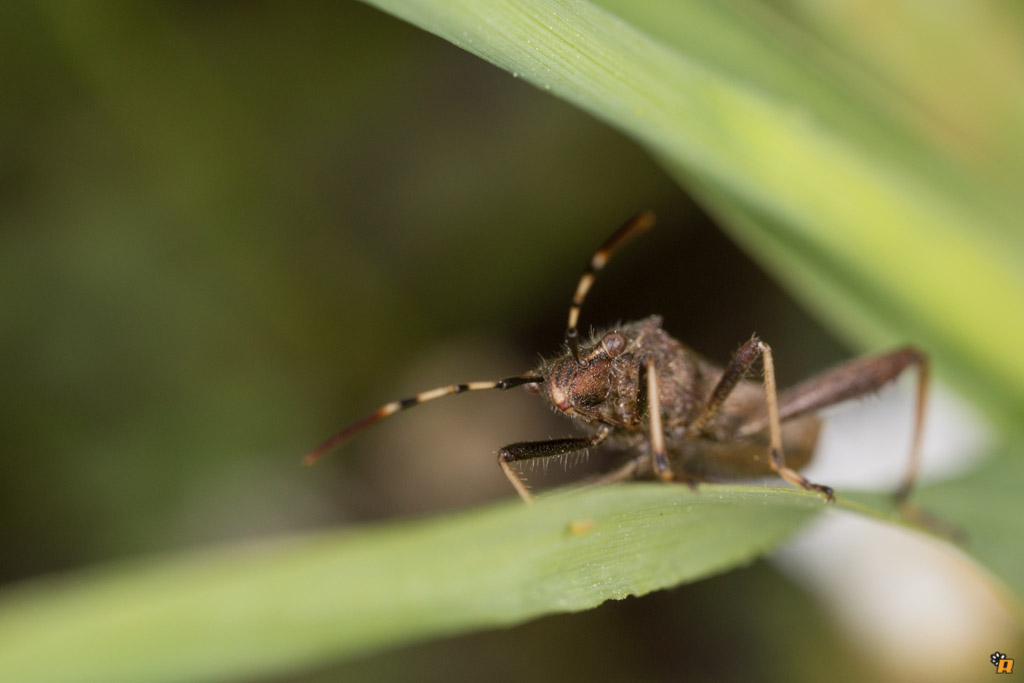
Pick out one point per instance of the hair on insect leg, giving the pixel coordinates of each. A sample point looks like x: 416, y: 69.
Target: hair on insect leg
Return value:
x: 575, y: 459
x: 530, y: 450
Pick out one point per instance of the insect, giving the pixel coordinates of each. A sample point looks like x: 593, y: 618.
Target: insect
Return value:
x: 683, y: 417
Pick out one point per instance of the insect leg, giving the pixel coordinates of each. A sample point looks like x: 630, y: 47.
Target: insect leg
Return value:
x: 528, y: 450
x: 733, y: 373
x: 659, y: 460
x: 778, y: 459
x: 635, y: 225
x: 736, y: 370
x: 853, y: 379
x: 623, y: 473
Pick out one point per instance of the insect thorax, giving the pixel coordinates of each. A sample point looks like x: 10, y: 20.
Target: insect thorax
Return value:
x: 605, y: 385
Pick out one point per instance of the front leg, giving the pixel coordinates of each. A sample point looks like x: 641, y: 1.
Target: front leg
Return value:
x: 528, y: 450
x: 659, y: 458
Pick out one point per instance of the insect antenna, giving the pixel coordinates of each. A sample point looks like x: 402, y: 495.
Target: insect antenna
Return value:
x: 389, y: 409
x: 634, y: 226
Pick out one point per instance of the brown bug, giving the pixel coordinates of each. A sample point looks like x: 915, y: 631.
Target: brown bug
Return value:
x: 684, y: 417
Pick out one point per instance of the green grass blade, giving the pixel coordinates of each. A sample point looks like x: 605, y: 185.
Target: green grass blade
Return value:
x: 286, y: 604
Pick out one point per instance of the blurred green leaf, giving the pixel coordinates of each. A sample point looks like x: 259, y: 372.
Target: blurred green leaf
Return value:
x: 292, y: 603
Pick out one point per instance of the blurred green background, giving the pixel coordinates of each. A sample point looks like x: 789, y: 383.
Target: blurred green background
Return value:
x: 228, y: 229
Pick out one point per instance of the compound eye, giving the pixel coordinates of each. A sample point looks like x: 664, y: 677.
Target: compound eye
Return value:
x: 614, y: 344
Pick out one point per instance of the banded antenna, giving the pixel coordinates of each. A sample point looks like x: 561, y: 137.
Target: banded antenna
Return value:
x: 389, y: 409
x: 639, y: 223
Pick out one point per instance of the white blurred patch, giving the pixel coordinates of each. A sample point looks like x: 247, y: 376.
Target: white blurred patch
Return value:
x: 916, y: 605
x: 865, y: 444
